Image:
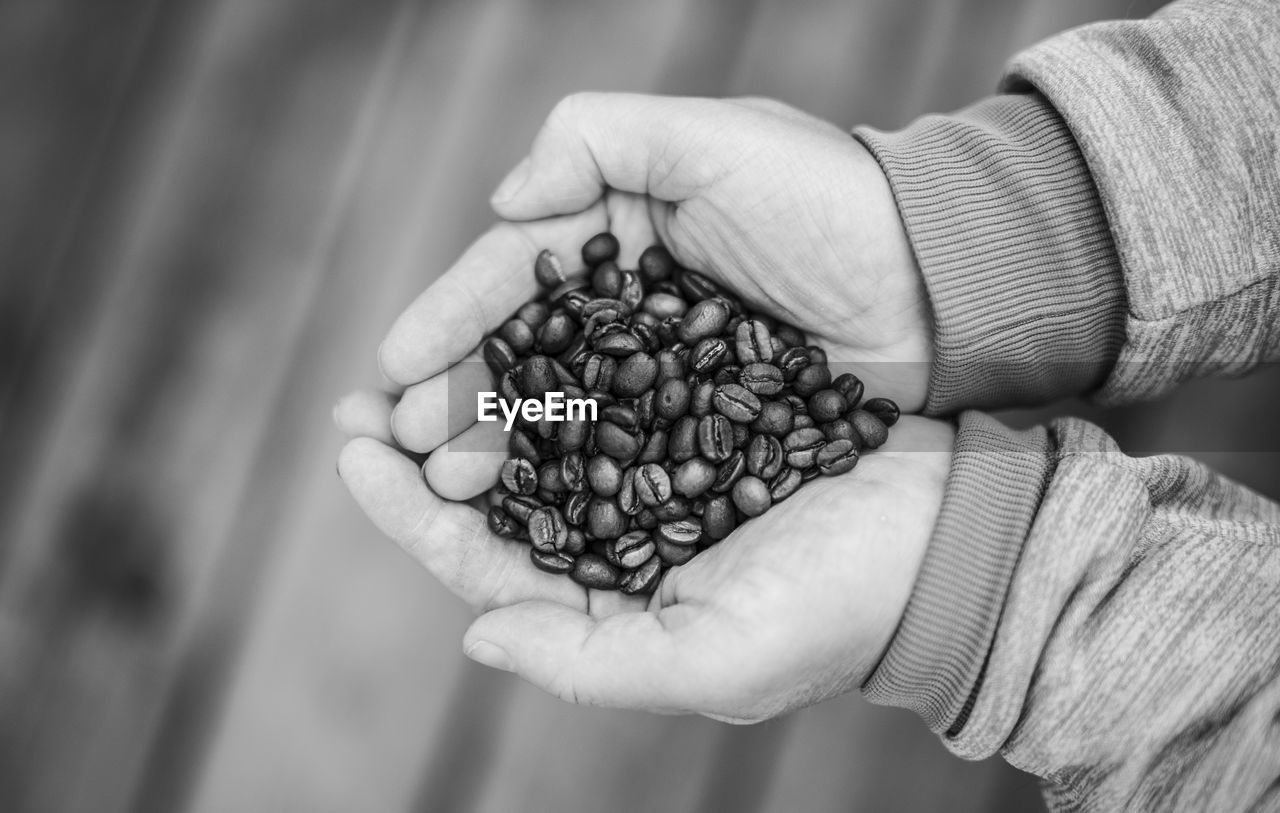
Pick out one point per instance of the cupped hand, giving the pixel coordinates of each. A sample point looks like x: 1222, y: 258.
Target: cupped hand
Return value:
x: 795, y: 606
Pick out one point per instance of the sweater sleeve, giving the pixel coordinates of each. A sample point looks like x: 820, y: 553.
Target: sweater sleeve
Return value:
x: 1125, y: 644
x: 1107, y: 224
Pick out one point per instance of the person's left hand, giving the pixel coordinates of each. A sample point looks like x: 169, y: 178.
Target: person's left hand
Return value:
x: 795, y: 606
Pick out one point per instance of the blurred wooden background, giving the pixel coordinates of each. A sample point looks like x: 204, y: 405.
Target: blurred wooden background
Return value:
x: 210, y: 211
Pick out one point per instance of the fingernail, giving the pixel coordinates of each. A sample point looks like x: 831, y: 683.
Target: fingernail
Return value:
x: 513, y: 183
x: 490, y: 655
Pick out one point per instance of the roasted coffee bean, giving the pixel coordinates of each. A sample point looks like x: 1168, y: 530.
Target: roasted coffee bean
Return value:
x: 605, y: 519
x: 682, y: 442
x: 606, y: 280
x: 826, y: 405
x: 789, y: 335
x: 518, y: 335
x: 622, y: 415
x: 656, y: 264
x: 673, y: 509
x: 704, y: 320
x: 519, y: 476
x: 573, y: 471
x: 718, y: 517
x: 556, y: 334
x: 604, y: 475
x: 664, y: 306
x: 537, y: 377
x: 775, y: 419
x: 523, y: 445
x: 693, y: 477
x: 802, y: 446
x: 784, y: 484
x: 672, y: 401
x: 554, y: 561
x: 761, y: 378
x: 575, y: 508
x: 635, y: 375
x: 648, y: 337
x: 840, y: 429
x: 810, y: 473
x: 576, y: 544
x: 509, y: 386
x: 533, y: 314
x: 501, y: 523
x: 573, y: 435
x: 643, y: 579
x: 697, y: 287
x: 680, y: 532
x: 620, y: 344
x: 564, y: 376
x: 645, y: 519
x: 598, y: 249
x: 803, y: 422
x: 673, y: 555
x: 811, y: 379
x: 655, y: 447
x: 817, y: 355
x: 648, y: 320
x: 870, y: 428
x: 628, y: 499
x: 707, y: 355
x: 631, y: 550
x: 702, y: 400
x: 765, y: 456
x: 519, y: 507
x: 792, y: 361
x: 572, y: 295
x: 837, y: 457
x: 736, y: 403
x: 548, y: 269
x: 499, y: 355
x: 547, y: 529
x: 751, y: 496
x: 884, y: 409
x: 592, y: 571
x: 653, y: 485
x: 715, y: 438
x: 729, y: 472
x: 549, y: 478
x: 616, y: 442
x: 632, y: 293
x: 670, y: 366
x: 753, y: 342
x: 850, y: 386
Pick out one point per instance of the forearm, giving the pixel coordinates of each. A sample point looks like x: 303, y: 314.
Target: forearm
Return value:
x: 1132, y: 657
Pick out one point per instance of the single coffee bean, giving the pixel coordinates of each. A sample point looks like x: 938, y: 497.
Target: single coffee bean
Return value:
x: 817, y: 355
x: 708, y: 354
x: 653, y: 486
x: 592, y: 571
x: 715, y: 438
x: 803, y: 422
x: 765, y: 456
x: 693, y: 477
x: 635, y: 375
x: 628, y: 499
x: 620, y: 344
x: 840, y: 429
x: 622, y: 415
x: 643, y: 579
x: 655, y: 447
x: 680, y: 532
x: 547, y: 529
x: 519, y: 476
x: 673, y: 509
x: 792, y: 361
x: 670, y: 365
x: 673, y: 555
x: 549, y: 478
x: 575, y: 508
x: 718, y: 517
x: 753, y: 342
x: 556, y: 562
x: 682, y: 443
x: 811, y: 379
x: 548, y: 269
x: 784, y: 484
x: 789, y: 335
x: 573, y: 471
x: 704, y: 320
x: 576, y: 544
x: 646, y: 409
x: 810, y: 473
x: 647, y: 319
x: 672, y: 401
x: 605, y: 519
x: 518, y: 335
x: 761, y: 378
x: 556, y: 333
x: 598, y: 249
x: 632, y: 293
x: 533, y: 314
x: 884, y: 409
x: 802, y: 446
x: 537, y: 377
x: 498, y: 355
x: 850, y: 386
x: 572, y: 435
x: 509, y: 386
x: 697, y: 287
x: 631, y: 550
x: 870, y: 428
x: 501, y: 523
x: 729, y: 472
x: 520, y: 507
x: 615, y: 441
x: 606, y: 280
x: 837, y: 457
x: 702, y: 400
x: 656, y: 264
x: 604, y: 475
x: 826, y: 405
x: 775, y: 419
x: 736, y: 403
x: 664, y: 306
x: 752, y: 496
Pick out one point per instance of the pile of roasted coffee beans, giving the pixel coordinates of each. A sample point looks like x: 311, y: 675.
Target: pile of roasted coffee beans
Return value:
x: 707, y: 415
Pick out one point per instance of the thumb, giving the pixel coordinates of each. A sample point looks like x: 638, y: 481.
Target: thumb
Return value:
x: 662, y: 146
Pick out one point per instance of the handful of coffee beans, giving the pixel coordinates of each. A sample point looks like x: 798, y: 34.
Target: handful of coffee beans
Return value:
x: 705, y: 415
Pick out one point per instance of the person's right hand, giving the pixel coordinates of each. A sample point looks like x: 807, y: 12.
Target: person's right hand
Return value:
x: 788, y: 211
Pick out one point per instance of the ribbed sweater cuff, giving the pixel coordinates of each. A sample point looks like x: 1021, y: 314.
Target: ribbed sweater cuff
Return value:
x: 1009, y: 232
x: 934, y: 663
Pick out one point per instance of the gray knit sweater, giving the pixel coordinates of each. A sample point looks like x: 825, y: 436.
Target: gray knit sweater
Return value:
x: 1109, y: 223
